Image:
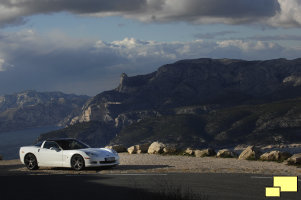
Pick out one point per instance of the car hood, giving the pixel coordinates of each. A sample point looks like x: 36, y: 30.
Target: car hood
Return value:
x: 99, y: 151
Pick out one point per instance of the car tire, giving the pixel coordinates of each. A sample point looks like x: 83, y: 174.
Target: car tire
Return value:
x: 77, y: 162
x: 31, y: 162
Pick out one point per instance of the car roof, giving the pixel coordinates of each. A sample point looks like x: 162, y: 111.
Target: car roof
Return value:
x: 56, y: 139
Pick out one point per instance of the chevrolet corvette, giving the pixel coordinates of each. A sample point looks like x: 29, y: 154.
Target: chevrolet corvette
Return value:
x: 66, y: 152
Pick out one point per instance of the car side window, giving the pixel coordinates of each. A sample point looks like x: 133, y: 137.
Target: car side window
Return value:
x: 50, y: 144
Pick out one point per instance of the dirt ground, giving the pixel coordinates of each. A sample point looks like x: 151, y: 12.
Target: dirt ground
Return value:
x: 145, y: 163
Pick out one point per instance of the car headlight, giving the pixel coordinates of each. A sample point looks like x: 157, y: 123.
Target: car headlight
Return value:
x: 114, y: 152
x: 90, y: 154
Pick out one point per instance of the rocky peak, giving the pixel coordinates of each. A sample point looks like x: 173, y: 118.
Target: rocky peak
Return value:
x: 196, y: 82
x: 122, y: 82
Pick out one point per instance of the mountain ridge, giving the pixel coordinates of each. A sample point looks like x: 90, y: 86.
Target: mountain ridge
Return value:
x: 194, y: 87
x: 30, y: 109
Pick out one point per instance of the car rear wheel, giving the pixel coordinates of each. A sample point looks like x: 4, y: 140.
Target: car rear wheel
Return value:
x: 31, y: 162
x: 77, y: 162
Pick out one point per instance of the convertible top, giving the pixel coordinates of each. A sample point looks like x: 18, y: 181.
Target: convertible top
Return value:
x: 56, y: 139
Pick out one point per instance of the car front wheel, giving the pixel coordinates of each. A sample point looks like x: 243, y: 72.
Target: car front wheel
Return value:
x: 77, y: 162
x: 31, y: 162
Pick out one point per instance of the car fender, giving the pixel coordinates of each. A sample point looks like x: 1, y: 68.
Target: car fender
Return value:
x: 68, y: 154
x: 28, y: 149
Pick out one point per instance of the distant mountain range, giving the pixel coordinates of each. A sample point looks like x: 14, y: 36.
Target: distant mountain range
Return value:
x: 31, y: 109
x: 197, y: 103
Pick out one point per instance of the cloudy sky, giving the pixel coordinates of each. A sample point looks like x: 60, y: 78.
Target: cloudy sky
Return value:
x: 82, y: 46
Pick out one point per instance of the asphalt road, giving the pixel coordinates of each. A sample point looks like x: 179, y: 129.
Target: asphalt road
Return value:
x: 138, y: 186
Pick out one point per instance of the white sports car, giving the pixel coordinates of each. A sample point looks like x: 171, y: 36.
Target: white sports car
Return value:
x: 66, y: 153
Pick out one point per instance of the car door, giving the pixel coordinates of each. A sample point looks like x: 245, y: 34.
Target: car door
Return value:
x: 50, y: 155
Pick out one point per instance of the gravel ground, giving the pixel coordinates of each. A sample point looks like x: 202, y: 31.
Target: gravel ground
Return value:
x: 145, y: 163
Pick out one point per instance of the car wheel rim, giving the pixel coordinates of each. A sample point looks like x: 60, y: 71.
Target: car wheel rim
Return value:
x: 77, y: 163
x: 30, y: 162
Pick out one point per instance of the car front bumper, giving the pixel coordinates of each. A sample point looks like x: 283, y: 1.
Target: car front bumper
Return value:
x: 98, y: 162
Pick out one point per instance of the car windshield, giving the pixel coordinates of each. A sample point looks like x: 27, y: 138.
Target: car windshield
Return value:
x: 71, y: 144
x: 38, y: 144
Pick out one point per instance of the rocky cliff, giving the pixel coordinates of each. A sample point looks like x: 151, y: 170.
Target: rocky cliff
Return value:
x: 34, y: 109
x: 198, y: 89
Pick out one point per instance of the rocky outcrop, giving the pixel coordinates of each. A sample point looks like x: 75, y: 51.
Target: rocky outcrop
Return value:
x: 226, y: 153
x: 156, y: 148
x: 204, y: 152
x: 250, y: 153
x: 189, y: 81
x: 118, y: 148
x: 295, y: 159
x: 275, y: 156
x: 126, y: 119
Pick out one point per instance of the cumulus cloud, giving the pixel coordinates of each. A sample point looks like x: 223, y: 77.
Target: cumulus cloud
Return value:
x: 289, y: 14
x: 269, y: 12
x: 57, y: 62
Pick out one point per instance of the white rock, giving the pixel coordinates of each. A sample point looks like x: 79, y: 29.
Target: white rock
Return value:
x: 156, y: 148
x: 132, y: 149
x: 189, y: 151
x: 275, y: 156
x: 204, y: 152
x: 295, y: 159
x: 250, y: 153
x: 118, y: 148
x: 225, y: 153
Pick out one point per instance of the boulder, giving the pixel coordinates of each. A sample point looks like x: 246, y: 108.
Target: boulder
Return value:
x: 275, y: 156
x: 142, y: 148
x: 250, y: 153
x: 169, y: 149
x: 139, y: 148
x: 226, y: 153
x: 204, y: 152
x: 132, y: 149
x: 189, y: 151
x: 118, y: 148
x: 156, y: 147
x: 240, y: 147
x: 295, y: 159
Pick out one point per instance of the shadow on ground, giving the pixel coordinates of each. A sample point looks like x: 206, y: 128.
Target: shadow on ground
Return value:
x: 66, y: 187
x: 141, y: 167
x: 120, y: 167
x: 21, y: 169
x: 7, y: 169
